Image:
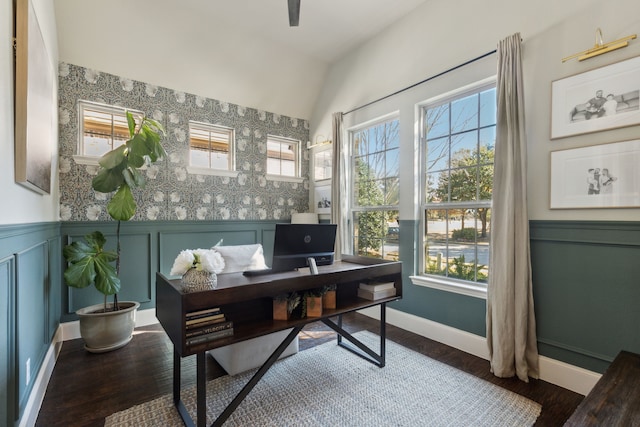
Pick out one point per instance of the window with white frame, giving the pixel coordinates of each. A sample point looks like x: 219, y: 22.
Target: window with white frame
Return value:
x: 283, y: 156
x: 458, y: 136
x: 211, y: 146
x: 102, y: 128
x: 375, y: 189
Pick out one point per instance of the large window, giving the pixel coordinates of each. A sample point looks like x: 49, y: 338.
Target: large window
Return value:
x: 102, y: 128
x: 211, y: 146
x: 375, y: 190
x: 458, y: 138
x: 283, y: 156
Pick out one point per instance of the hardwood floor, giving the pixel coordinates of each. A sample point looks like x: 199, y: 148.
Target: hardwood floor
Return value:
x: 85, y: 387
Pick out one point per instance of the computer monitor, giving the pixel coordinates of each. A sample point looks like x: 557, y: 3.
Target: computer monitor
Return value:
x: 295, y: 243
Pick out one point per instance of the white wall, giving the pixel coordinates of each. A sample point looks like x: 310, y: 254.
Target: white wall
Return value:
x: 438, y: 36
x: 197, y: 53
x: 21, y: 205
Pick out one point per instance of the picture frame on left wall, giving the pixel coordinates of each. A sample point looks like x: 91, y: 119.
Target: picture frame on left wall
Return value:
x: 34, y: 92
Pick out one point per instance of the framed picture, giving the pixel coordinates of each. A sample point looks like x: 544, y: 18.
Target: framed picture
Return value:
x: 322, y: 199
x: 34, y: 103
x: 600, y: 99
x: 322, y: 164
x: 600, y: 176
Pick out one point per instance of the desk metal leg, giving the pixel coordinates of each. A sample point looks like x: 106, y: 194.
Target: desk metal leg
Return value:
x: 361, y: 349
x: 182, y: 410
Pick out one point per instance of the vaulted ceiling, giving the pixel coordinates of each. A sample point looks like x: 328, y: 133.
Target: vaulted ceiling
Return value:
x: 240, y: 51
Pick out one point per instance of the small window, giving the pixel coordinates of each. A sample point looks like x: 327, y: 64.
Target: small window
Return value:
x: 102, y: 128
x: 283, y: 156
x: 211, y: 146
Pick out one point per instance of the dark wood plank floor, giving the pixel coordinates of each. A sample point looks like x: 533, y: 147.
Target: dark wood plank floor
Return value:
x: 85, y: 388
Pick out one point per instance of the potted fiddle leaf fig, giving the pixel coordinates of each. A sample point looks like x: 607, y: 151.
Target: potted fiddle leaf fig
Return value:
x: 109, y: 326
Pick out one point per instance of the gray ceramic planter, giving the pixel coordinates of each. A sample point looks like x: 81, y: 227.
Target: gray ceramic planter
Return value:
x: 108, y: 331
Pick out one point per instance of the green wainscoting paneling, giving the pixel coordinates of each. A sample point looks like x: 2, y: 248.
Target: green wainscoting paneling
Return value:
x: 30, y: 288
x: 586, y: 286
x: 586, y: 278
x: 7, y: 343
x: 151, y: 246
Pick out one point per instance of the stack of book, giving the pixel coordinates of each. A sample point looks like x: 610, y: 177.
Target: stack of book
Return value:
x: 376, y: 290
x: 207, y: 325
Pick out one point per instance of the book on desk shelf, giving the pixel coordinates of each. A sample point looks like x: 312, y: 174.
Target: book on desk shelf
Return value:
x: 377, y: 286
x: 193, y: 321
x: 202, y: 313
x: 384, y: 293
x: 205, y: 322
x: 207, y: 329
x: 210, y: 336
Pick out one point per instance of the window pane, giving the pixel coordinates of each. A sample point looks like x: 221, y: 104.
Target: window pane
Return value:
x: 464, y: 146
x: 199, y: 158
x: 488, y: 138
x: 391, y: 191
x: 488, y: 107
x: 273, y: 166
x: 439, y: 187
x: 436, y: 242
x: 438, y: 154
x: 464, y: 114
x: 288, y: 168
x: 437, y: 121
x: 392, y: 162
x: 463, y: 184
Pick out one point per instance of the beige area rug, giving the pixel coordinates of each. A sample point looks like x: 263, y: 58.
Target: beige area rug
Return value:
x: 328, y: 386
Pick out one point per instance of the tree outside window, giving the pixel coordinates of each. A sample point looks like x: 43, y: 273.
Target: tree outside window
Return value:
x: 375, y: 190
x: 459, y: 141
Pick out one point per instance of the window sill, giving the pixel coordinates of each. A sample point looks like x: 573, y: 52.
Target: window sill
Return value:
x: 451, y: 285
x: 285, y: 178
x: 214, y: 172
x: 85, y: 160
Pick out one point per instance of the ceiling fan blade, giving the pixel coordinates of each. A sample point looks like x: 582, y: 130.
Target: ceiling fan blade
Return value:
x: 294, y: 12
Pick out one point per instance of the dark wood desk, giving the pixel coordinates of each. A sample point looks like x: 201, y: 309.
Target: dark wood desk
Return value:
x: 247, y: 301
x: 615, y: 399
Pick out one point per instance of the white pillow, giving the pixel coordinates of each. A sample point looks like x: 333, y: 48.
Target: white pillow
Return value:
x: 241, y: 257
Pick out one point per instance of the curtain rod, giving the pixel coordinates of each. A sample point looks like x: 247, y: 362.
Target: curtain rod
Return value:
x: 422, y: 81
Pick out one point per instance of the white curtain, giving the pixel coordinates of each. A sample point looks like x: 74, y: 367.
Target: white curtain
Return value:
x: 511, y: 325
x: 339, y: 193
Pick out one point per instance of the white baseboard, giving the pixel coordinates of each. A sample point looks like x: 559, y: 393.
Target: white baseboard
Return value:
x: 32, y: 408
x: 562, y: 374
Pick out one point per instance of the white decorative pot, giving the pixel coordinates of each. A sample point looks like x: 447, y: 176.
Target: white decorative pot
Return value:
x: 108, y: 331
x: 198, y: 280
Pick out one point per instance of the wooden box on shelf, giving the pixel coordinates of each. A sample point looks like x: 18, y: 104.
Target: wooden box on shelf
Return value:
x: 280, y: 310
x: 329, y: 300
x: 314, y: 306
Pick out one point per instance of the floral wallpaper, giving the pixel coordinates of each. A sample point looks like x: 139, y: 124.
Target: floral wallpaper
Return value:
x: 171, y: 192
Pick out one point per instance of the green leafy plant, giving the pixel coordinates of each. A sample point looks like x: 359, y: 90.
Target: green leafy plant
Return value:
x: 120, y: 172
